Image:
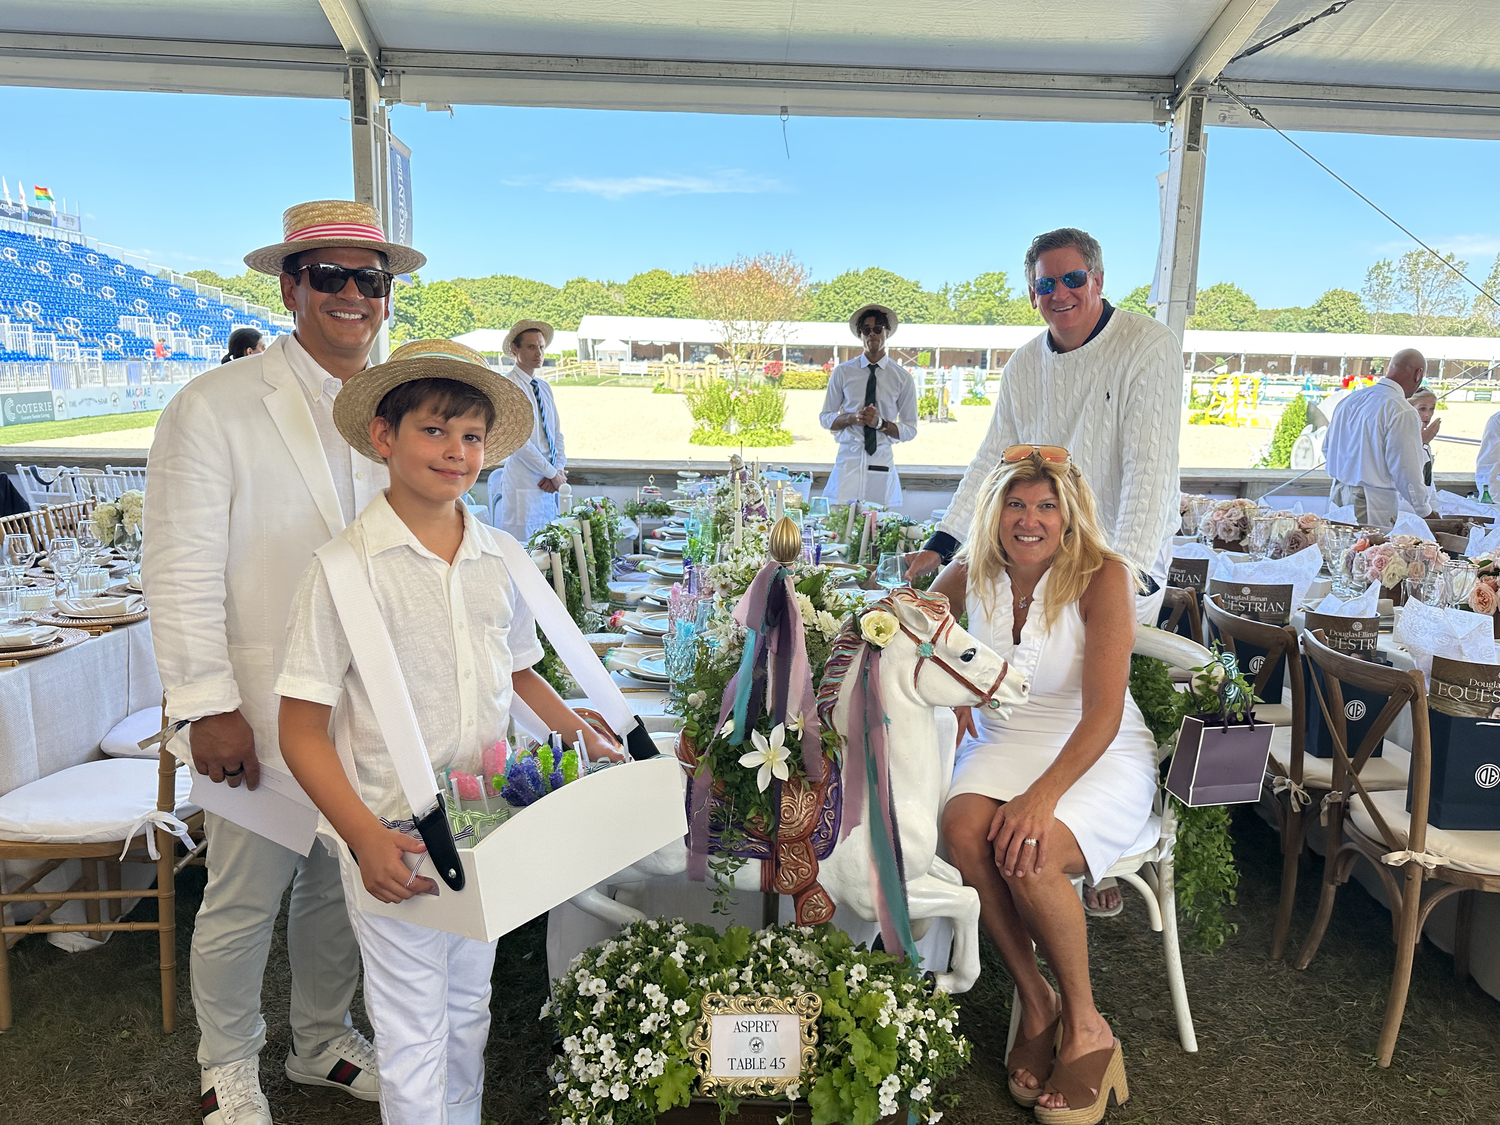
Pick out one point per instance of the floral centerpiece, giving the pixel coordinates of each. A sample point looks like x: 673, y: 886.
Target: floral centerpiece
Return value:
x: 1476, y: 587
x: 1228, y: 522
x: 625, y: 1010
x: 118, y: 522
x: 1391, y: 562
x: 1292, y: 532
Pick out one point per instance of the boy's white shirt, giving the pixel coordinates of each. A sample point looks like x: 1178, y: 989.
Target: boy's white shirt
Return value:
x: 459, y: 633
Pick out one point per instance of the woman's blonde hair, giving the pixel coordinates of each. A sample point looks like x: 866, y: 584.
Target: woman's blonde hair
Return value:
x: 1081, y: 555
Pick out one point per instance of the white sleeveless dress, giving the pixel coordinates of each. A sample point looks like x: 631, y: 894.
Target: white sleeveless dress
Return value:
x: 1108, y: 809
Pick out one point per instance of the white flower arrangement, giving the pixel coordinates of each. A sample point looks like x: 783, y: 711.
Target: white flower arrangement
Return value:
x: 126, y: 511
x: 625, y: 1010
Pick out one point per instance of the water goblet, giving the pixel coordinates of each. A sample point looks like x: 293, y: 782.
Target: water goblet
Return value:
x: 18, y: 553
x: 37, y: 598
x: 1262, y: 530
x: 1458, y: 581
x: 66, y: 559
x: 1198, y: 509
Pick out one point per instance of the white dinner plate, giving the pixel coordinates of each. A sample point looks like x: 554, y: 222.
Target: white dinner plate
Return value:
x: 653, y: 666
x: 667, y: 568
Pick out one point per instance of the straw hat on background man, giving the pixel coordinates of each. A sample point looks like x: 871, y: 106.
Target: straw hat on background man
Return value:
x: 326, y: 223
x: 434, y: 359
x: 891, y: 320
x: 521, y: 326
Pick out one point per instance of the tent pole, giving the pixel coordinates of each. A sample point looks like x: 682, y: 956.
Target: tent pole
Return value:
x: 1182, y: 207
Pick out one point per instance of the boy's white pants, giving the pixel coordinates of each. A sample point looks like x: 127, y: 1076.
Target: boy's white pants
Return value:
x: 428, y: 997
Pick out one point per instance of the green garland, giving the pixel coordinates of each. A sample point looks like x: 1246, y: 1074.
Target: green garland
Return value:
x: 1204, y: 855
x: 651, y: 509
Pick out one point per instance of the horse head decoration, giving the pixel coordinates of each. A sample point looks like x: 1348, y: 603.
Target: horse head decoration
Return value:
x: 895, y: 662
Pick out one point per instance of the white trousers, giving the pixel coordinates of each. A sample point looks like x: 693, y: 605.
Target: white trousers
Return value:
x: 428, y: 997
x: 247, y: 876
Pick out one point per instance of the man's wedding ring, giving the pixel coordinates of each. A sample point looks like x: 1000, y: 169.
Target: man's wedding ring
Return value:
x: 1030, y: 843
x: 234, y: 773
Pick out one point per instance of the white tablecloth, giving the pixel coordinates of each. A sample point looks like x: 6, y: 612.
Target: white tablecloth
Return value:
x: 55, y: 709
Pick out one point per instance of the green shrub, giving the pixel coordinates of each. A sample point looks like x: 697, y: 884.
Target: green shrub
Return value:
x: 805, y: 381
x: 927, y: 405
x: 757, y: 438
x: 974, y: 400
x: 662, y: 389
x: 1288, y: 430
x: 710, y: 404
x: 760, y: 408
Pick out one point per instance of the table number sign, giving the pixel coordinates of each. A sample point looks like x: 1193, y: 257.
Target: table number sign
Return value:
x: 754, y: 1045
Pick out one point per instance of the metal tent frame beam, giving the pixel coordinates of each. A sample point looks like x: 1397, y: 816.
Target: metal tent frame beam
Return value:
x: 1229, y: 32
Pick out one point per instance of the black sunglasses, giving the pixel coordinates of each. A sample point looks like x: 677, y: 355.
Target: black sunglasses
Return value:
x: 328, y: 278
x: 869, y: 328
x: 1073, y: 279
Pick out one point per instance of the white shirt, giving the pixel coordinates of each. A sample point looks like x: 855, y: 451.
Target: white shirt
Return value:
x: 1487, y: 467
x: 459, y: 631
x: 895, y: 397
x: 1375, y: 442
x: 1115, y: 404
x: 322, y: 388
x: 523, y: 506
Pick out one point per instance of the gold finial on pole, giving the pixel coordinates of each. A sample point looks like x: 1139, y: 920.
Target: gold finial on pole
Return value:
x: 786, y: 541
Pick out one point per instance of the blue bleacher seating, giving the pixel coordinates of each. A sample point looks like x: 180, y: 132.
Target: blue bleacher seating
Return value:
x: 79, y: 295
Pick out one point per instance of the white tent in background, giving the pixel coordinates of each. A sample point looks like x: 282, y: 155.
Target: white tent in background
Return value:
x: 493, y: 339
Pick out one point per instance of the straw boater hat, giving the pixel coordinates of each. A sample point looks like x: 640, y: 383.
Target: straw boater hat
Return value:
x: 332, y: 222
x: 434, y: 359
x: 528, y: 326
x: 890, y: 318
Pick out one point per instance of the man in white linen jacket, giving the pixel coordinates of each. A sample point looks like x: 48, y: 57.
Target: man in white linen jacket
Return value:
x: 531, y: 476
x: 1104, y: 383
x: 246, y: 478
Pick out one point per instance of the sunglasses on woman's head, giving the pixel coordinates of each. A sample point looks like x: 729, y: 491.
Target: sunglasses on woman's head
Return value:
x: 1055, y: 454
x: 1073, y: 279
x: 328, y: 278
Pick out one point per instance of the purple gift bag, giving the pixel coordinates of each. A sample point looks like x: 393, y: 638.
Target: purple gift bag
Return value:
x: 1220, y: 759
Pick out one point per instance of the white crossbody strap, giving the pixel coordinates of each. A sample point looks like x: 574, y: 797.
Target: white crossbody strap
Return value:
x: 375, y: 657
x: 552, y: 615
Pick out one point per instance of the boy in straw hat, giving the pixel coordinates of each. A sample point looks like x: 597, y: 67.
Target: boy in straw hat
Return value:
x: 529, y: 480
x: 435, y: 414
x: 247, y: 477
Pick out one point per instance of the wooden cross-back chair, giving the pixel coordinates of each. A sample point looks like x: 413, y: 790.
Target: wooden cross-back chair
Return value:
x: 63, y: 520
x: 1408, y: 854
x: 1181, y: 607
x: 102, y: 907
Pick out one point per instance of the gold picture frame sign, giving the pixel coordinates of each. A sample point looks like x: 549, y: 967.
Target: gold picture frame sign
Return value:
x: 736, y: 1019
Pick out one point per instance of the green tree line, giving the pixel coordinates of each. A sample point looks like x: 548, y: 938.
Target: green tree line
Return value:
x: 1410, y: 295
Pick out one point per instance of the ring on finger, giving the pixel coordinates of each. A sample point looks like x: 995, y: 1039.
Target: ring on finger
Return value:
x: 234, y: 772
x: 1030, y: 842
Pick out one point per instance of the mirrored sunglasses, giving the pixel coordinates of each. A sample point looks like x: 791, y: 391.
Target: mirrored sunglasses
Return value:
x: 1055, y: 454
x: 328, y: 278
x: 1073, y: 279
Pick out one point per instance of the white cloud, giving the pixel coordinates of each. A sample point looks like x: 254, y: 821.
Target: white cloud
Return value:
x: 730, y: 181
x: 1464, y: 245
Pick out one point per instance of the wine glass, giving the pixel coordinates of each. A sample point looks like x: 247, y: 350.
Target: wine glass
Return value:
x: 18, y: 553
x: 1198, y: 509
x: 1458, y: 581
x: 890, y: 572
x: 1262, y: 531
x: 66, y: 558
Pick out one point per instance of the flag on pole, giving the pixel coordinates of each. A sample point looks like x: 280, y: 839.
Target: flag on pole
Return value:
x: 41, y: 194
x: 6, y: 185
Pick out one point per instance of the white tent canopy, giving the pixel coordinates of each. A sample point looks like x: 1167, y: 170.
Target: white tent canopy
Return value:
x: 1386, y: 66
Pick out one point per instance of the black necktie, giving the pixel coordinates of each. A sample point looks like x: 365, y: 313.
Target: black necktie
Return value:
x: 541, y: 415
x: 870, y: 431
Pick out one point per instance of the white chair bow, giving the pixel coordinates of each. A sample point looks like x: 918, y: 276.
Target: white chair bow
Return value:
x: 1426, y: 859
x: 157, y: 818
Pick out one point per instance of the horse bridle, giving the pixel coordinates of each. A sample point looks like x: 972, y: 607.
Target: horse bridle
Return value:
x: 926, y: 651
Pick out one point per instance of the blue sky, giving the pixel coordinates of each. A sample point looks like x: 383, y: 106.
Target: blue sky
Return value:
x: 196, y: 182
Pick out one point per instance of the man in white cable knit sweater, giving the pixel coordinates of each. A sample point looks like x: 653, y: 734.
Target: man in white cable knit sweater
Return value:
x: 1104, y: 383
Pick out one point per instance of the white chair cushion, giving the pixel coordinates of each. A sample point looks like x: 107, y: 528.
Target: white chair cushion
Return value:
x: 1477, y: 852
x: 88, y: 803
x: 1388, y: 771
x: 125, y: 740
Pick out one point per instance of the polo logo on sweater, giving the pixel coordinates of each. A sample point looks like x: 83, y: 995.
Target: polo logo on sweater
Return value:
x: 1487, y: 776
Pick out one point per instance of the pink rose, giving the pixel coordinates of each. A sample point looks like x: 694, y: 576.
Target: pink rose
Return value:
x: 1482, y: 599
x: 1298, y: 540
x: 1308, y: 521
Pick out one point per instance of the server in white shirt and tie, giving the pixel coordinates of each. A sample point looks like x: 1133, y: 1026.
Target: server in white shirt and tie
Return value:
x: 531, y: 476
x: 1374, y: 446
x: 871, y: 404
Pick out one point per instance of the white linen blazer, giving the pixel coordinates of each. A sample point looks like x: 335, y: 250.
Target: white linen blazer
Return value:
x: 523, y: 506
x: 238, y: 497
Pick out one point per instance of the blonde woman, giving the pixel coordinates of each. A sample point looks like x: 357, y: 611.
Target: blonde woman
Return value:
x: 1064, y: 785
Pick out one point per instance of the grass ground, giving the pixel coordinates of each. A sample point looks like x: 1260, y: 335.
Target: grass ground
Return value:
x: 78, y: 427
x: 1274, y: 1044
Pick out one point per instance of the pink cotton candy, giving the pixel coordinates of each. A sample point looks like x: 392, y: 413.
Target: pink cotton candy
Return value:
x: 468, y: 785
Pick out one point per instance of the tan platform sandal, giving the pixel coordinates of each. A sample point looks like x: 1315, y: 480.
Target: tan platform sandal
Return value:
x: 1099, y: 1070
x: 1037, y: 1056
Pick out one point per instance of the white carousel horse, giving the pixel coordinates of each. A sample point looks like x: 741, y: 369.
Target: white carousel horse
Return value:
x: 931, y: 662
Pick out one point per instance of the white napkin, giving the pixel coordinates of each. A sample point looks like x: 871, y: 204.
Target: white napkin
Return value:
x: 28, y: 636
x: 1482, y: 541
x: 1408, y: 523
x: 1427, y: 631
x: 1298, y: 570
x: 1341, y: 513
x: 1362, y: 606
x: 99, y: 607
x: 1452, y: 504
x: 1193, y: 550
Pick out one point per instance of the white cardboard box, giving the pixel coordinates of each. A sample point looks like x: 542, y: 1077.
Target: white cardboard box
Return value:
x: 550, y: 851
